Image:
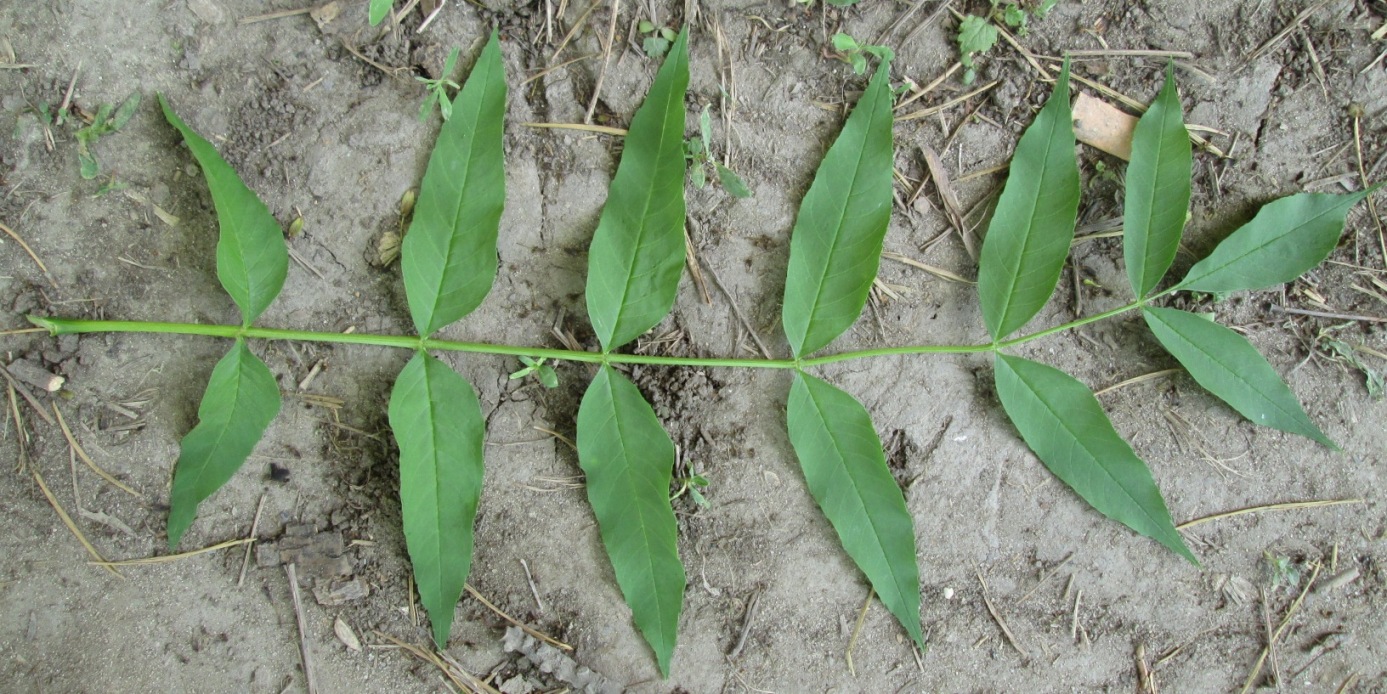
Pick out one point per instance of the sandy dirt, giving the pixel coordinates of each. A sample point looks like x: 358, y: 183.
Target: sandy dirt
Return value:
x: 772, y: 600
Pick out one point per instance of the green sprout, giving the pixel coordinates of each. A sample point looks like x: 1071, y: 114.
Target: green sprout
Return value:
x: 1344, y: 352
x: 855, y: 54
x: 108, y: 119
x: 691, y: 485
x: 657, y: 39
x: 698, y: 151
x: 542, y: 371
x: 977, y: 35
x: 438, y: 90
x: 1281, y: 570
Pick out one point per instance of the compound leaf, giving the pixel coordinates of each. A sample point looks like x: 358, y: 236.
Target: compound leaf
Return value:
x: 438, y: 424
x: 629, y: 462
x: 252, y: 259
x: 1030, y: 233
x: 1286, y: 238
x: 241, y: 399
x: 448, y: 257
x: 836, y: 243
x: 1066, y: 427
x: 1157, y: 197
x: 841, y: 456
x: 379, y: 9
x: 1227, y: 365
x: 637, y: 252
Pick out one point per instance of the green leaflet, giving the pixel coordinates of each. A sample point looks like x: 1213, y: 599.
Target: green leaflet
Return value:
x: 1064, y: 424
x: 1030, y: 233
x: 438, y: 423
x: 629, y: 462
x: 836, y: 244
x: 449, y: 255
x: 1227, y: 365
x: 379, y: 9
x: 252, y: 259
x: 1286, y: 238
x: 841, y: 456
x: 637, y: 252
x: 731, y: 182
x: 1157, y: 196
x: 241, y: 399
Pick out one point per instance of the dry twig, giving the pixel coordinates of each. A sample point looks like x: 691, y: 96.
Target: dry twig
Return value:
x: 19, y: 240
x: 857, y: 629
x: 606, y: 58
x: 1276, y: 635
x: 523, y: 627
x: 77, y: 448
x: 997, y: 617
x: 71, y: 526
x: 579, y: 126
x: 254, y: 527
x: 1269, y: 507
x: 166, y: 558
x: 310, y: 683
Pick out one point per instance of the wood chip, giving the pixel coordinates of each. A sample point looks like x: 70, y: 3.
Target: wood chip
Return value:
x: 341, y: 593
x: 346, y: 635
x: 35, y: 375
x: 1098, y: 123
x: 950, y: 199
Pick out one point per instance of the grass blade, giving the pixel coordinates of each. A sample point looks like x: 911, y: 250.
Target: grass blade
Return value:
x: 437, y: 422
x: 637, y: 252
x: 836, y: 244
x: 252, y: 259
x: 1064, y: 424
x: 449, y: 256
x: 241, y: 399
x: 841, y: 456
x: 629, y: 461
x: 1157, y: 197
x: 1286, y: 238
x: 1030, y: 233
x: 1227, y: 365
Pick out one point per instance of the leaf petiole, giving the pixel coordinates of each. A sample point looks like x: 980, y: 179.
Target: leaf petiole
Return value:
x: 69, y: 326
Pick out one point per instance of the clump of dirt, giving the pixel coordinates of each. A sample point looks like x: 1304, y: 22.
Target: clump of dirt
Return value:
x: 262, y: 123
x: 680, y: 397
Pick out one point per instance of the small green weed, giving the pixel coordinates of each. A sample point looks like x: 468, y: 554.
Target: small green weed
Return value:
x: 1280, y: 570
x: 692, y: 484
x: 1344, y: 352
x: 438, y: 89
x: 698, y: 150
x: 657, y: 39
x: 107, y: 120
x: 50, y: 116
x: 1017, y: 13
x: 855, y: 54
x: 977, y: 34
x: 542, y: 371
